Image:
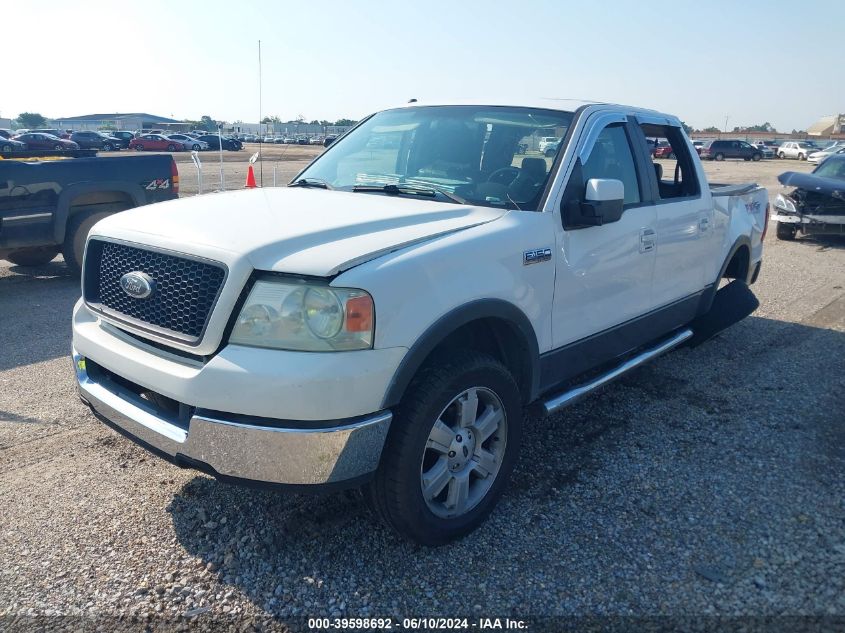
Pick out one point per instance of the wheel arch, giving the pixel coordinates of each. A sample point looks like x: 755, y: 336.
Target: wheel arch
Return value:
x: 493, y: 326
x: 737, y: 261
x: 93, y: 194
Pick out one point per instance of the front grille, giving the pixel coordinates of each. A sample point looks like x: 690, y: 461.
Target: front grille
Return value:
x: 186, y: 289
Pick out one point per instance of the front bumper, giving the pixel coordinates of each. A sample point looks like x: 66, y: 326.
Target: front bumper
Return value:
x: 265, y: 452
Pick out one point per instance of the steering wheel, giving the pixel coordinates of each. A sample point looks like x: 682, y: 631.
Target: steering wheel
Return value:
x: 504, y: 175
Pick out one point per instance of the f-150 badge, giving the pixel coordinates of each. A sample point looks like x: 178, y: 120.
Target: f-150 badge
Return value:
x: 536, y: 256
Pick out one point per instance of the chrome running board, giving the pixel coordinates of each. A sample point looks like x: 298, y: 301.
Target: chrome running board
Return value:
x: 571, y: 396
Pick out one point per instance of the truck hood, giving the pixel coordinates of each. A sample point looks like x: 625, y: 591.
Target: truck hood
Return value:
x: 293, y: 230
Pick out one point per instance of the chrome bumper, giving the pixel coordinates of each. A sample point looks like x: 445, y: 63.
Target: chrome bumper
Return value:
x: 234, y: 450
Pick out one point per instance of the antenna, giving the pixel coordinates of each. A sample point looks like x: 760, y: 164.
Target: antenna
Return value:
x: 260, y: 118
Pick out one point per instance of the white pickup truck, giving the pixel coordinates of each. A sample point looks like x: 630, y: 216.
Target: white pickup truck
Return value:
x: 384, y: 320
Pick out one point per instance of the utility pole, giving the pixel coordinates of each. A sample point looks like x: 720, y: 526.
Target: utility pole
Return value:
x: 727, y: 116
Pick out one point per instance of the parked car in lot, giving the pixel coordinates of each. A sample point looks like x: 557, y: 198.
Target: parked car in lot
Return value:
x: 302, y: 140
x: 289, y: 140
x: 698, y: 145
x: 331, y: 138
x: 663, y: 150
x: 124, y: 137
x: 9, y: 145
x: 548, y: 143
x: 722, y: 149
x: 765, y: 150
x: 316, y: 140
x: 156, y: 142
x: 819, y: 156
x: 190, y: 142
x: 816, y: 205
x: 50, y: 131
x: 95, y: 140
x: 54, y: 203
x: 385, y: 324
x: 42, y: 141
x: 796, y: 149
x: 229, y: 144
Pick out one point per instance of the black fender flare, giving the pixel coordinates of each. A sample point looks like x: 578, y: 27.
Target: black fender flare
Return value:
x: 68, y: 194
x: 449, y: 323
x: 710, y: 293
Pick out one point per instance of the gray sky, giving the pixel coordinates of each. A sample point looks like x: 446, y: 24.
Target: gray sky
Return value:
x: 775, y: 61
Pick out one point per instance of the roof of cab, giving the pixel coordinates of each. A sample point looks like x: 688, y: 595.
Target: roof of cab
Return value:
x: 564, y: 105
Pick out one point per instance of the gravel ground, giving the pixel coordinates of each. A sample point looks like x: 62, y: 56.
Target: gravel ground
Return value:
x: 709, y: 482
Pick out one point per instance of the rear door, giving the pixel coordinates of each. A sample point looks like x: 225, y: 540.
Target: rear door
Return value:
x: 684, y: 218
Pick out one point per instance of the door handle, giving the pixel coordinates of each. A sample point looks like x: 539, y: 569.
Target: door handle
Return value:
x: 648, y: 238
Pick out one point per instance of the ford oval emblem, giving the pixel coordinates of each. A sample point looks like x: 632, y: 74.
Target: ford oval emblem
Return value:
x: 137, y: 285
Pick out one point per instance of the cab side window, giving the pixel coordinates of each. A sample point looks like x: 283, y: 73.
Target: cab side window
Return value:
x: 612, y: 157
x: 674, y: 168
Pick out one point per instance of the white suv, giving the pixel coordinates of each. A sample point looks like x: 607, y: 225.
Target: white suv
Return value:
x: 796, y: 149
x: 385, y: 319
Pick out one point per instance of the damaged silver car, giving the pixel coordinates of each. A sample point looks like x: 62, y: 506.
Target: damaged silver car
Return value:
x: 816, y: 206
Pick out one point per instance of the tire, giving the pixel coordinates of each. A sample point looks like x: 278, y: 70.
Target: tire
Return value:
x: 549, y: 153
x: 785, y: 231
x: 171, y: 148
x: 719, y: 156
x: 58, y: 148
x: 77, y: 231
x: 195, y: 147
x: 756, y: 157
x: 7, y: 149
x: 781, y: 155
x: 801, y: 157
x: 437, y: 395
x: 37, y: 256
x: 107, y: 147
x: 139, y: 148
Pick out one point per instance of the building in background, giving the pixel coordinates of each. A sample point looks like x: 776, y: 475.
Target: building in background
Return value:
x: 129, y: 121
x: 828, y: 126
x: 5, y: 123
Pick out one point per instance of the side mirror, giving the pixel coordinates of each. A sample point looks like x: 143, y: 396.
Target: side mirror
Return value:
x: 602, y: 203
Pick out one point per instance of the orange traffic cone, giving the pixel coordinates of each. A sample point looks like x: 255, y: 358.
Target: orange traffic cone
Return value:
x: 250, y: 178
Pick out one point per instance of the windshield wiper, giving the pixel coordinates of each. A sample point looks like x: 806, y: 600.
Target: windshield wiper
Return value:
x: 311, y: 182
x: 395, y: 189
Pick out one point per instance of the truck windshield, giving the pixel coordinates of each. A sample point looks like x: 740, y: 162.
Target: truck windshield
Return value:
x: 485, y: 155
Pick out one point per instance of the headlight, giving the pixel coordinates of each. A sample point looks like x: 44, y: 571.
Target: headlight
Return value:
x: 302, y: 316
x: 785, y: 203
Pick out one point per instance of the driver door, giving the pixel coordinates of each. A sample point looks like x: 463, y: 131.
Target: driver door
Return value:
x: 604, y: 273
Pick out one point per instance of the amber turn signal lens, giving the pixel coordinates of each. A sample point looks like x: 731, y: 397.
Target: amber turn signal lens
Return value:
x: 359, y: 314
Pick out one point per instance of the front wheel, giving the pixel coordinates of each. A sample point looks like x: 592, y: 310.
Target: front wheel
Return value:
x: 719, y: 157
x: 195, y: 147
x: 781, y: 155
x: 452, y: 446
x: 786, y: 231
x: 800, y: 156
x: 107, y: 147
x: 139, y: 148
x: 756, y: 157
x: 58, y: 148
x: 171, y: 148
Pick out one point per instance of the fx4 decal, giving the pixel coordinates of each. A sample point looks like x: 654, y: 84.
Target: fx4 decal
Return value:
x: 160, y: 183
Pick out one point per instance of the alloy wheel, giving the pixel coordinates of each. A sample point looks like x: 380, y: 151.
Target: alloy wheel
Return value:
x: 464, y: 452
